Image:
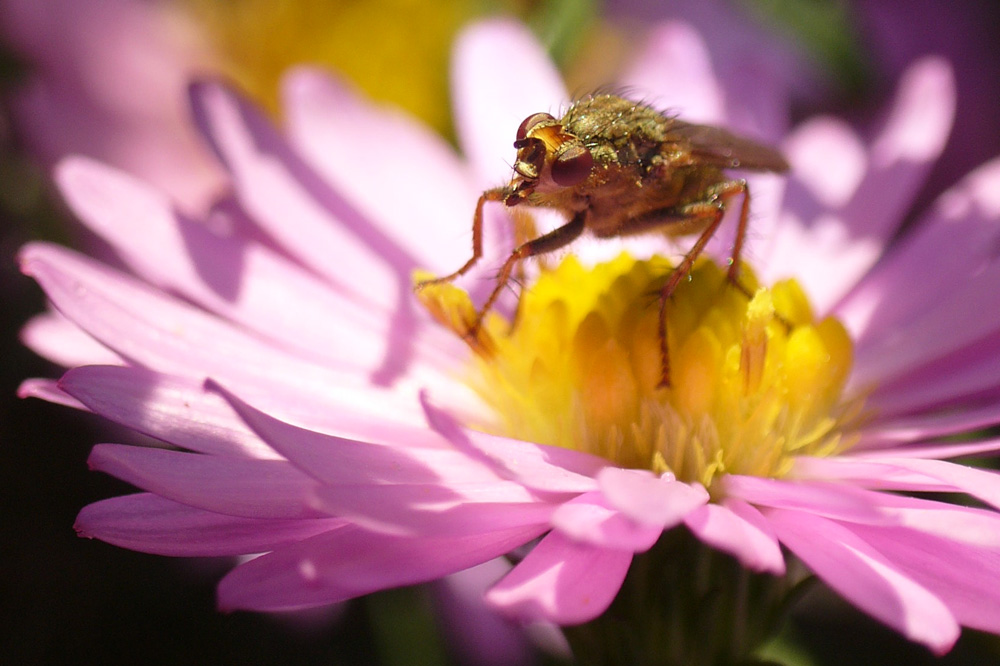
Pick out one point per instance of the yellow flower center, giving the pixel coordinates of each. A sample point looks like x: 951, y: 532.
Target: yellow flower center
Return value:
x: 753, y: 382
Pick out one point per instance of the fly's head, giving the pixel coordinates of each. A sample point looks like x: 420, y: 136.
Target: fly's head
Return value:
x: 548, y: 159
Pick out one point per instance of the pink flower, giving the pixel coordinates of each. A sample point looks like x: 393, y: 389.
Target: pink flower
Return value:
x: 108, y: 81
x: 333, y: 431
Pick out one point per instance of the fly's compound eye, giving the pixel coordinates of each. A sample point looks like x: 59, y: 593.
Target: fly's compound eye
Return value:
x: 530, y: 123
x: 572, y: 166
x: 530, y: 157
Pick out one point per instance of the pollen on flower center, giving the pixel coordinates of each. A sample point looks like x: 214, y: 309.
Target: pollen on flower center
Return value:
x: 753, y: 381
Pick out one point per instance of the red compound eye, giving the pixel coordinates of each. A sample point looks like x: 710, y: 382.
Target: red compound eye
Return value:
x: 531, y: 122
x: 572, y: 166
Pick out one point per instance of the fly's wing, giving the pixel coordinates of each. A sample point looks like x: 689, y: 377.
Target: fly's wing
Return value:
x: 714, y: 146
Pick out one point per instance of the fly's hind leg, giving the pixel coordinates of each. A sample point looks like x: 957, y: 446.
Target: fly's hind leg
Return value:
x: 711, y: 209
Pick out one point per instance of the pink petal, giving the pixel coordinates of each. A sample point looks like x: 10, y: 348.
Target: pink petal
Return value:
x: 673, y: 71
x: 475, y: 633
x: 864, y: 471
x: 562, y: 581
x: 968, y: 375
x: 588, y: 519
x: 545, y: 468
x: 972, y: 526
x: 239, y: 279
x: 937, y: 451
x: 979, y: 483
x: 146, y: 326
x: 180, y: 411
x: 824, y: 499
x: 500, y: 76
x: 152, y: 524
x: 921, y: 119
x: 964, y: 220
x: 956, y: 324
x: 810, y: 237
x: 171, y: 409
x: 850, y: 219
x: 55, y: 338
x: 47, y: 389
x: 928, y: 425
x: 438, y: 510
x: 347, y: 139
x: 959, y: 574
x: 311, y: 220
x: 231, y: 486
x: 739, y: 529
x: 107, y: 80
x: 339, y: 461
x: 866, y: 578
x: 351, y: 562
x: 649, y: 499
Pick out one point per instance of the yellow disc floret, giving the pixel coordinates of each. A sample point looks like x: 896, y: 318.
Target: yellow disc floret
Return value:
x: 753, y: 381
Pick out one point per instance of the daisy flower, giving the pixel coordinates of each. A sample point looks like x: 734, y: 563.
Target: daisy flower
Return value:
x: 319, y: 417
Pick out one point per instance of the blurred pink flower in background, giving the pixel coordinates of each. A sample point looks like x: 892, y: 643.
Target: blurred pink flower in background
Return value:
x: 109, y: 81
x: 332, y: 433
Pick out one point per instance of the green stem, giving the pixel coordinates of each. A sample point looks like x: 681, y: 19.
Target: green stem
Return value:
x: 684, y: 604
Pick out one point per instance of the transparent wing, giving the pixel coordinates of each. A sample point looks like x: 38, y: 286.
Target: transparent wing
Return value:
x: 721, y: 148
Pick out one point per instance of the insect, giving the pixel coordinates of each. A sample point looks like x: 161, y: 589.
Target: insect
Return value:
x: 618, y: 167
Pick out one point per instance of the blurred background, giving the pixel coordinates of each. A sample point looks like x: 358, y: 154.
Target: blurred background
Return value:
x: 106, y: 78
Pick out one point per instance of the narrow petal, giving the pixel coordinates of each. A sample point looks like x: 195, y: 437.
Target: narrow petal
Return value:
x: 972, y: 526
x: 907, y: 146
x: 338, y: 460
x: 979, y: 483
x: 964, y: 220
x: 180, y: 411
x: 47, y: 389
x: 824, y: 499
x: 928, y: 425
x: 844, y: 225
x: 476, y: 634
x: 229, y: 275
x: 350, y: 562
x: 232, y: 486
x: 809, y: 236
x: 863, y: 576
x: 435, y: 510
x: 152, y: 524
x: 673, y: 70
x: 938, y: 451
x: 969, y: 375
x: 649, y: 499
x: 172, y: 409
x: 955, y: 572
x: 953, y: 334
x: 562, y: 581
x: 489, y: 58
x: 739, y: 529
x: 347, y: 139
x: 155, y: 330
x: 53, y: 337
x: 545, y: 468
x: 303, y: 213
x: 869, y: 471
x: 588, y: 519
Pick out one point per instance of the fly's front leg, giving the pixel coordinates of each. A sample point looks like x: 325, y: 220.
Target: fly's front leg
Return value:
x: 553, y: 240
x: 496, y: 194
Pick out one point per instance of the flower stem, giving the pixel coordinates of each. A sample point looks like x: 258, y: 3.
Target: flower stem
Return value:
x: 684, y: 604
